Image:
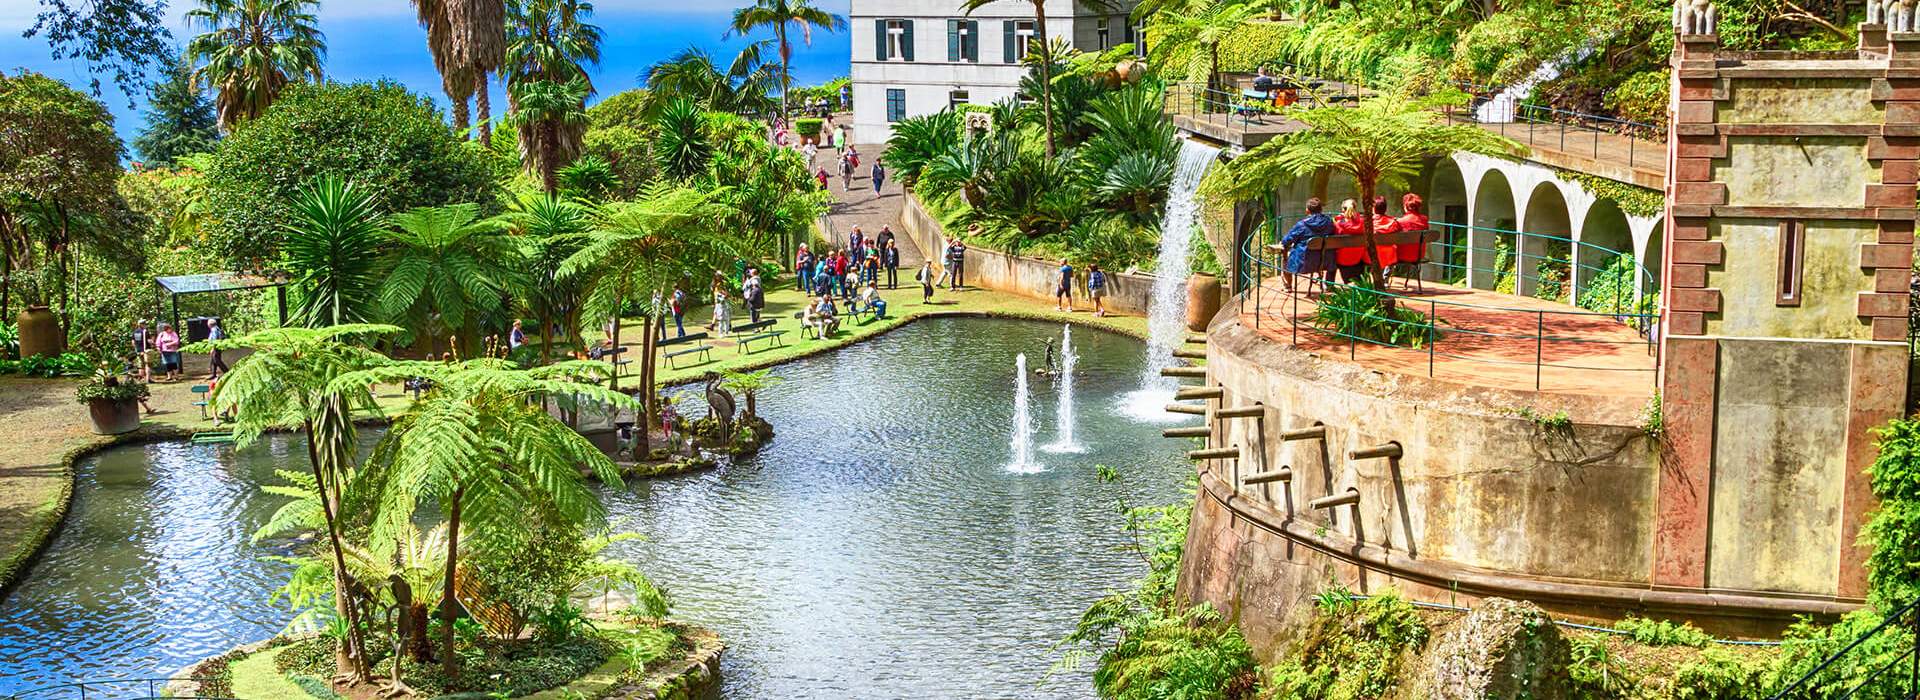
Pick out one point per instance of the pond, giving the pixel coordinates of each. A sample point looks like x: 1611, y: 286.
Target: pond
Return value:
x: 878, y: 548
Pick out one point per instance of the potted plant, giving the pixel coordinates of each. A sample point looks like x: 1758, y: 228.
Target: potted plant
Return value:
x: 809, y: 129
x: 114, y: 404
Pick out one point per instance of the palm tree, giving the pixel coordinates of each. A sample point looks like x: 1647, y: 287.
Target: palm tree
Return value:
x: 1040, y: 43
x: 692, y: 74
x: 330, y: 249
x: 778, y: 14
x: 448, y: 267
x: 1382, y: 140
x: 482, y: 445
x: 455, y: 79
x: 288, y: 382
x: 251, y: 50
x: 550, y: 41
x: 550, y: 230
x: 476, y: 45
x: 636, y: 252
x: 546, y: 110
x: 1202, y: 26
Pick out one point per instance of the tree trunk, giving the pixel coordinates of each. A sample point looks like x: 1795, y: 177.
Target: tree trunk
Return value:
x: 644, y: 447
x: 786, y: 72
x: 483, y: 110
x: 1046, y: 71
x: 549, y: 157
x: 613, y: 360
x: 6, y: 267
x: 350, y: 660
x: 417, y: 642
x: 1375, y: 271
x: 447, y: 666
x: 461, y: 119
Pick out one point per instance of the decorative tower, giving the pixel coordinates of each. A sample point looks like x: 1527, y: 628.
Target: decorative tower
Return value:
x: 1790, y: 202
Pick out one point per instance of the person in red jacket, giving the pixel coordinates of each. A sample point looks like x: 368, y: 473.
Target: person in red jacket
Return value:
x: 1353, y: 259
x: 1410, y: 255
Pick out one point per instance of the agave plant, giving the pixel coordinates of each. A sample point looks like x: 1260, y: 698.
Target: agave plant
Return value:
x: 330, y: 249
x: 1135, y: 182
x: 683, y: 147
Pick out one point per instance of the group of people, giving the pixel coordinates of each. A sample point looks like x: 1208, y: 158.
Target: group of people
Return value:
x: 1096, y: 288
x: 849, y: 164
x: 840, y: 272
x: 1351, y: 261
x: 166, y: 342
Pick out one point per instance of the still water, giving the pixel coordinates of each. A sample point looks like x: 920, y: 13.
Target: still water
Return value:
x: 877, y: 548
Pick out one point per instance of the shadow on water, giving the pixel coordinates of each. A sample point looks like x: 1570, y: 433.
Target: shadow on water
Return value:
x: 878, y: 547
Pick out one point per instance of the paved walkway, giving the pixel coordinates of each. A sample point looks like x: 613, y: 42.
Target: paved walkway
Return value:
x: 860, y: 207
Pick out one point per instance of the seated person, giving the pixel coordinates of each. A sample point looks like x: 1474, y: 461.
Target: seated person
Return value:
x: 824, y: 318
x: 870, y: 297
x: 1264, y: 81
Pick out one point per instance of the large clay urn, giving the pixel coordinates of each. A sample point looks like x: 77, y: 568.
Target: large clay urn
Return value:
x: 113, y: 417
x: 1130, y: 72
x: 40, y: 333
x: 1203, y: 301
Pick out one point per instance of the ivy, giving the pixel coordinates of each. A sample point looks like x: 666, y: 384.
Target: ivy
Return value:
x: 1632, y: 199
x: 1893, y: 531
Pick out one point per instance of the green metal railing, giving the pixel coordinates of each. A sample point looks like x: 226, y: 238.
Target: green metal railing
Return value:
x: 116, y: 689
x: 1455, y: 253
x: 1884, y: 680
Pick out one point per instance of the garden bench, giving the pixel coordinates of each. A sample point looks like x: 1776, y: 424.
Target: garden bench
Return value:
x: 698, y: 347
x: 746, y: 334
x: 1333, y: 243
x: 1250, y: 110
x: 204, y: 391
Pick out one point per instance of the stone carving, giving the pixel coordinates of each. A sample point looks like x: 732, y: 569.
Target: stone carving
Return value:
x: 1898, y: 15
x: 1697, y: 17
x: 983, y: 122
x: 721, y: 403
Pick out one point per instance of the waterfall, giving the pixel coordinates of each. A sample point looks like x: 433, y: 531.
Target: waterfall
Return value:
x: 1063, y: 415
x: 1022, y: 442
x: 1167, y: 308
x: 1503, y: 106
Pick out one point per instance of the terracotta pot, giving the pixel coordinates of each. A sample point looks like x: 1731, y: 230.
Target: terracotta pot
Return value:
x: 112, y: 417
x: 1203, y: 301
x: 40, y: 333
x: 1130, y: 71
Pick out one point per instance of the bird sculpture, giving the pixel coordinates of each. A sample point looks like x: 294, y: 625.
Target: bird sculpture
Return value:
x: 400, y: 622
x: 721, y: 401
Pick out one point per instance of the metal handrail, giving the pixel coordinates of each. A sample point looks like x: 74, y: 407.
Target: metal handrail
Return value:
x: 1254, y: 274
x: 80, y: 690
x: 1805, y: 687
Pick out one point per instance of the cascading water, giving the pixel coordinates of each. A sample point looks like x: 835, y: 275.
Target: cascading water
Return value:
x: 1503, y: 107
x: 1022, y: 442
x: 1167, y: 309
x: 1063, y: 440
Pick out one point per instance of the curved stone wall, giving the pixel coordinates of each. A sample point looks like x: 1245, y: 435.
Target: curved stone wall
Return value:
x: 1542, y: 496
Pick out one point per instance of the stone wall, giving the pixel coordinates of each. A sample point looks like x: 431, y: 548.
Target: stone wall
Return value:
x: 1017, y: 274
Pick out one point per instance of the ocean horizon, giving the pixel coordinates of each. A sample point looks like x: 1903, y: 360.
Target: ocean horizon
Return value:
x: 379, y: 44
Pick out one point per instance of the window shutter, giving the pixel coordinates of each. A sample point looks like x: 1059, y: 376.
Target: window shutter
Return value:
x: 972, y: 47
x: 953, y: 40
x: 906, y: 39
x: 879, y: 40
x: 1009, y: 56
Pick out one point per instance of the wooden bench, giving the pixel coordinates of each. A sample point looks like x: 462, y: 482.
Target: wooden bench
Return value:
x: 750, y: 332
x: 698, y: 347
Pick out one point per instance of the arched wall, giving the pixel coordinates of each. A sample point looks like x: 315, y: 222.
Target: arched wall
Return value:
x: 1546, y: 231
x: 1493, y: 209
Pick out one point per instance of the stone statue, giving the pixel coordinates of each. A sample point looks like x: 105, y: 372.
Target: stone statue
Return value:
x: 1695, y: 17
x: 721, y: 402
x: 400, y: 623
x: 1876, y: 12
x: 983, y: 122
x: 1897, y: 14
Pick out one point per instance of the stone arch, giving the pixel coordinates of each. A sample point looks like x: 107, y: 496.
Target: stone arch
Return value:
x: 1650, y: 237
x: 1545, y: 245
x: 1605, y: 236
x: 1448, y: 204
x: 1493, y: 215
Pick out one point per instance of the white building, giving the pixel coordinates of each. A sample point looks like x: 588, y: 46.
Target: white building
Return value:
x: 916, y: 57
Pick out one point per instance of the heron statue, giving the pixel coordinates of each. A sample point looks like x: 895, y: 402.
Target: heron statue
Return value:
x: 721, y: 402
x: 400, y: 622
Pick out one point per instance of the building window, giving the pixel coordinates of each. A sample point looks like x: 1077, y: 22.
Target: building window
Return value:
x: 963, y: 40
x: 896, y: 104
x: 1105, y: 35
x: 1793, y: 246
x: 955, y: 98
x: 1136, y: 35
x: 893, y: 40
x: 1019, y: 39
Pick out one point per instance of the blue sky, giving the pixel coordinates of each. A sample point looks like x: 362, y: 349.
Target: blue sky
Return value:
x: 371, y: 39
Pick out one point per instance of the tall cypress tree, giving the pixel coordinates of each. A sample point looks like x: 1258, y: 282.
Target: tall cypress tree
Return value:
x: 180, y: 120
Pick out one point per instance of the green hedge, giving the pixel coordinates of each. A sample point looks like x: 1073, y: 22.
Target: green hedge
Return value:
x: 808, y: 127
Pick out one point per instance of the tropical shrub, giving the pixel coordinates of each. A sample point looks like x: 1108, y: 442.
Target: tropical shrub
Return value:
x: 391, y: 142
x: 1893, y: 530
x: 109, y: 388
x: 1642, y: 97
x: 916, y: 141
x: 1352, y: 650
x: 808, y: 126
x: 625, y: 109
x: 629, y: 156
x: 1360, y: 312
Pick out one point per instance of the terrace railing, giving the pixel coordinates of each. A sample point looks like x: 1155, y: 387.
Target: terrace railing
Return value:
x: 1877, y: 672
x: 117, y: 689
x: 1536, y: 261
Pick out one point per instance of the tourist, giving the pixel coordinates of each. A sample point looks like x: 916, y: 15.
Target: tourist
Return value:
x: 1384, y: 223
x: 842, y: 266
x: 1063, y: 293
x: 879, y: 176
x: 217, y: 365
x: 885, y: 238
x: 890, y: 259
x: 754, y: 295
x: 870, y: 272
x: 810, y: 150
x: 857, y: 253
x: 820, y: 175
x: 1353, y: 260
x: 870, y: 298
x: 515, y: 336
x: 853, y: 156
x: 677, y: 305
x: 823, y: 276
x: 957, y: 258
x: 803, y: 267
x: 168, y: 343
x: 852, y: 284
x: 926, y: 279
x: 846, y: 96
x: 1300, y: 260
x: 722, y: 314
x: 1263, y: 82
x: 1097, y: 288
x: 854, y: 237
x: 846, y: 172
x: 1410, y: 255
x: 716, y: 289
x: 142, y: 351
x: 823, y: 317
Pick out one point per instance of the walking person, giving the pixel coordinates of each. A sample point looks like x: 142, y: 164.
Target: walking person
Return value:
x: 803, y: 267
x: 722, y: 314
x: 142, y: 351
x: 957, y: 253
x: 755, y: 295
x: 168, y: 343
x: 879, y: 176
x: 846, y: 172
x: 218, y: 366
x: 886, y: 236
x: 677, y: 305
x: 1097, y: 288
x: 890, y: 258
x: 926, y: 279
x: 820, y: 175
x: 1063, y: 294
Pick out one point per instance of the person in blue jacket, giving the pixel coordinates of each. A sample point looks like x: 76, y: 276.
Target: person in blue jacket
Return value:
x: 1301, y: 261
